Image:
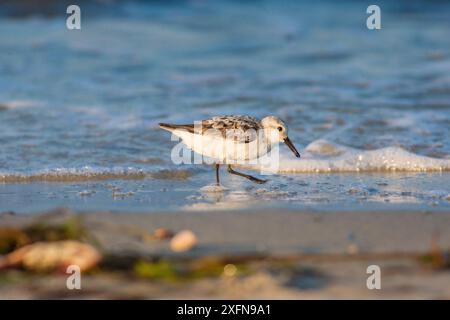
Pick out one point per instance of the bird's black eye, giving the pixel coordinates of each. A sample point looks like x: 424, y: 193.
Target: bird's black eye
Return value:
x: 280, y: 129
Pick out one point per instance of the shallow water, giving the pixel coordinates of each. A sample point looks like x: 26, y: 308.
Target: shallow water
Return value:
x: 369, y: 110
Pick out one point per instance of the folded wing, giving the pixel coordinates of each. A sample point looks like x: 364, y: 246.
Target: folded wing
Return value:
x: 241, y: 129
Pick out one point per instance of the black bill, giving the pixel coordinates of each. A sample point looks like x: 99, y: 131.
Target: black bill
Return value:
x: 291, y: 146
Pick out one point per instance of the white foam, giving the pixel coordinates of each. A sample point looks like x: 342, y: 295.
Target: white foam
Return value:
x: 325, y: 156
x: 74, y: 174
x: 213, y: 188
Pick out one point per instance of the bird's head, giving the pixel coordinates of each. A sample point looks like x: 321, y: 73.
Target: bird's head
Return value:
x: 277, y: 131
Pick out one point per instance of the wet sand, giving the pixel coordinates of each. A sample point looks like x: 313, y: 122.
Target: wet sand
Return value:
x: 291, y: 254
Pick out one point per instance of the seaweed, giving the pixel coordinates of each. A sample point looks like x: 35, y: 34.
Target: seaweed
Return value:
x: 13, y: 238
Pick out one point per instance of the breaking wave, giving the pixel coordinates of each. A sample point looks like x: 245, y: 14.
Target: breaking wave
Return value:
x: 325, y: 156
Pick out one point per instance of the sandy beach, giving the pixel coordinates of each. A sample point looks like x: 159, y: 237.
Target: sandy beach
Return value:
x: 282, y: 254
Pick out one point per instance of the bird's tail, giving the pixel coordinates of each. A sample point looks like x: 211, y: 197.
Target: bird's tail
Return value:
x: 167, y: 126
x: 171, y: 127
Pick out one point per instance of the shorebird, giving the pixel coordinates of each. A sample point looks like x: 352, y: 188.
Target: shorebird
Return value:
x: 233, y: 139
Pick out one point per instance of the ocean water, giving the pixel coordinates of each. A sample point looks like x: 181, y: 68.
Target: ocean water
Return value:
x: 368, y: 110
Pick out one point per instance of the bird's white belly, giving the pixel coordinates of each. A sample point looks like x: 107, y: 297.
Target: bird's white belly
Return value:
x: 223, y: 150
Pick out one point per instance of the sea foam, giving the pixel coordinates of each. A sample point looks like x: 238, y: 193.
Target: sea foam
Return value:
x: 325, y: 156
x: 88, y: 173
x: 73, y: 174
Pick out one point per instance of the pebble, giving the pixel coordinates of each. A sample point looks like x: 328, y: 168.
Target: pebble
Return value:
x: 183, y: 241
x: 159, y: 234
x: 162, y: 233
x: 352, y: 249
x: 229, y: 270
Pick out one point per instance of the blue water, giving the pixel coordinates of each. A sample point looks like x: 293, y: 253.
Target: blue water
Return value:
x: 81, y: 106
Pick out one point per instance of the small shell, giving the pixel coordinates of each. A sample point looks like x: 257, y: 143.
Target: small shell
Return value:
x: 162, y: 233
x: 51, y: 256
x: 183, y: 241
x: 158, y: 234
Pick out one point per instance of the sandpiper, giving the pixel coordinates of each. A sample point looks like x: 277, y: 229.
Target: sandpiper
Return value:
x: 232, y: 139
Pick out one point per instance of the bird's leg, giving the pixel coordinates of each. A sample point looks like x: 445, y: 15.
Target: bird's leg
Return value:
x: 217, y: 174
x: 249, y: 177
